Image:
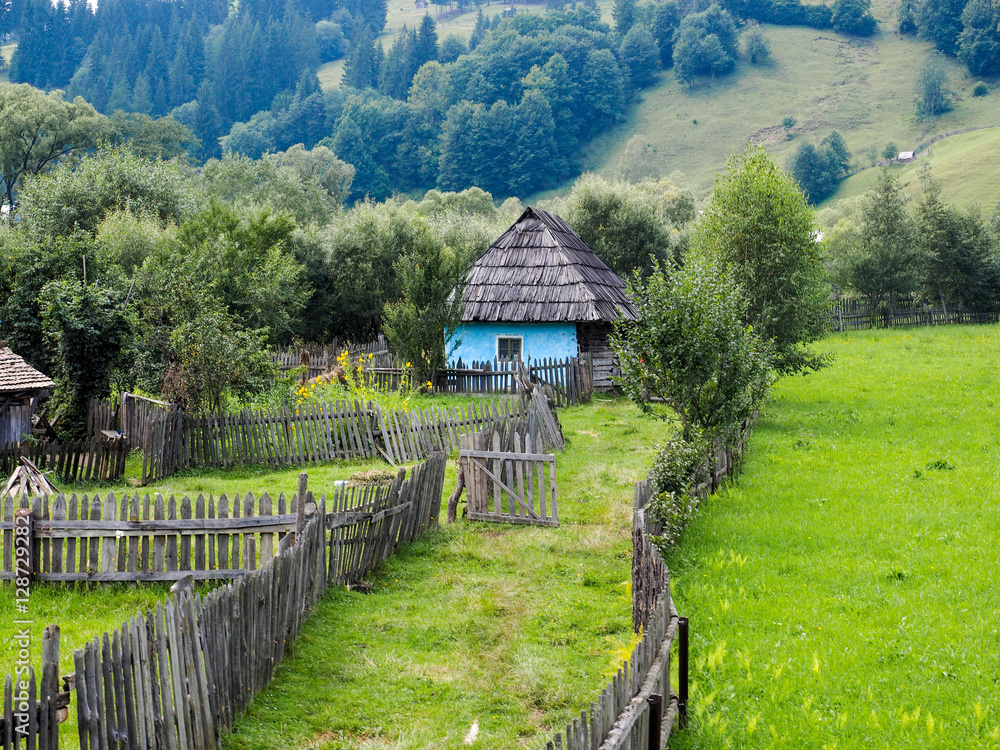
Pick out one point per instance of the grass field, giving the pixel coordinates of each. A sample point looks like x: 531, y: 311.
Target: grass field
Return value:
x: 517, y: 628
x: 6, y: 52
x: 844, y: 593
x: 863, y: 89
x: 961, y: 164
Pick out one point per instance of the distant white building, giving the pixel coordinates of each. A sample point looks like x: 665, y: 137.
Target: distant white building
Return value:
x: 905, y: 156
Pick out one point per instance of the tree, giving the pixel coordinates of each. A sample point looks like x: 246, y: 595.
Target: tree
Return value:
x: 666, y: 19
x: 88, y: 328
x: 979, y: 42
x: 361, y: 71
x: 878, y: 260
x: 959, y: 263
x: 639, y: 56
x: 705, y: 44
x: 212, y: 357
x: 812, y: 171
x: 933, y: 95
x: 38, y: 131
x: 940, y: 21
x: 760, y: 228
x: 756, y: 47
x: 623, y: 224
x: 419, y: 327
x: 68, y: 199
x: 624, y: 14
x: 853, y: 17
x: 691, y: 348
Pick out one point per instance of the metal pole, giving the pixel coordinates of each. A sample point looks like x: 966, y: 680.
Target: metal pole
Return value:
x: 682, y: 668
x: 655, y: 702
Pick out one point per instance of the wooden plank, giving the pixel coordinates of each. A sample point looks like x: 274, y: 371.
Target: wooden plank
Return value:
x: 266, y: 538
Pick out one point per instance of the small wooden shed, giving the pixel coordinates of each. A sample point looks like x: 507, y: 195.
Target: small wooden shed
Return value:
x: 22, y: 387
x: 539, y: 292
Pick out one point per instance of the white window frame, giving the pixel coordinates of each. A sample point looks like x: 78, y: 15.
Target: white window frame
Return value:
x: 520, y: 340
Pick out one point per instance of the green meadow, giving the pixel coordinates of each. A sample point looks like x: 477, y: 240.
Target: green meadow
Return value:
x: 843, y: 593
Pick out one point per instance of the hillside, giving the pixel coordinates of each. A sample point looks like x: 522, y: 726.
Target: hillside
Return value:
x: 963, y: 164
x: 862, y: 88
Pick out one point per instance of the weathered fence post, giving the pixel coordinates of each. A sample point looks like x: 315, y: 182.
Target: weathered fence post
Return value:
x: 655, y: 702
x: 48, y: 718
x: 300, y: 505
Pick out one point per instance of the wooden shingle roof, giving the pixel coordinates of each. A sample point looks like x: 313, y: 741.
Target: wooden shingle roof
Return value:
x: 540, y: 271
x: 16, y: 375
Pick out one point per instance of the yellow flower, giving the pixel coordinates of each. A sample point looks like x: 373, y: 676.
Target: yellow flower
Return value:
x: 409, y: 364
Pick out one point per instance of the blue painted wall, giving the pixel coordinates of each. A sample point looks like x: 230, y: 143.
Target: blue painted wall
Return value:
x: 479, y: 340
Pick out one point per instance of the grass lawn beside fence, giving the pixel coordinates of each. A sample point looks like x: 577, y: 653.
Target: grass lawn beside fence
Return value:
x: 844, y: 593
x: 517, y: 628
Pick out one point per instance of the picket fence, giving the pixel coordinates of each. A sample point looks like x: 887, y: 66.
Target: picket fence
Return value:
x: 854, y: 315
x: 639, y: 708
x: 571, y: 378
x: 298, y: 435
x: 86, y: 460
x: 176, y: 677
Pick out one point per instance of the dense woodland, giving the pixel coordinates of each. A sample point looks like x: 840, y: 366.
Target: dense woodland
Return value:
x: 506, y: 111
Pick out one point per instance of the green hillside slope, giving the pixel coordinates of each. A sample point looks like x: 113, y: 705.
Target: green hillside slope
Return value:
x: 965, y: 165
x: 863, y: 88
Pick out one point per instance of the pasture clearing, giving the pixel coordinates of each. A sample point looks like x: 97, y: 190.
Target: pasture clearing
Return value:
x: 516, y: 627
x: 962, y: 164
x: 843, y: 593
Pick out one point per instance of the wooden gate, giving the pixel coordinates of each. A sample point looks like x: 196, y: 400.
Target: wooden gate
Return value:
x: 511, y: 486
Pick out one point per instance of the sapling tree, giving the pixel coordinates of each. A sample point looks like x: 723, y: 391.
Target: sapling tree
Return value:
x: 761, y: 229
x: 419, y: 327
x: 691, y: 349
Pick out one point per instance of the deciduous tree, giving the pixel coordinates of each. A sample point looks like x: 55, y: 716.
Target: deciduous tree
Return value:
x: 761, y: 229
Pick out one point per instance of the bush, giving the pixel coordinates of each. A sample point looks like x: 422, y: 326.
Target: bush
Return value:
x: 680, y: 466
x: 678, y: 469
x: 981, y: 89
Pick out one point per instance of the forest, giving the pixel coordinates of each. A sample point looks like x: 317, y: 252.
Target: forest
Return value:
x: 507, y: 111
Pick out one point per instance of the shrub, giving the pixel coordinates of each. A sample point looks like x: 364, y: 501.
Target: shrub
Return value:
x: 981, y: 89
x: 678, y: 469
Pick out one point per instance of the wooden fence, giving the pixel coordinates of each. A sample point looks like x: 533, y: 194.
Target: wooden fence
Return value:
x: 571, y: 378
x: 521, y: 483
x: 176, y: 677
x: 296, y: 436
x: 638, y: 709
x: 85, y: 460
x: 129, y: 415
x: 853, y: 315
x: 323, y: 357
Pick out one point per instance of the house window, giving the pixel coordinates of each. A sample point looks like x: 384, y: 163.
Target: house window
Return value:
x: 508, y: 348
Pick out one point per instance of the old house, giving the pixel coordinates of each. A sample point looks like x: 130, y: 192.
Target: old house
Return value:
x: 540, y: 292
x: 21, y: 389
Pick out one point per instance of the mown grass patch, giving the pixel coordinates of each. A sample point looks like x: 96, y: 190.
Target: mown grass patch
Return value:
x: 843, y: 593
x: 517, y: 628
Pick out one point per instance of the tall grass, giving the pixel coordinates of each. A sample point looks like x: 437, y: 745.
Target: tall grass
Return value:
x: 843, y: 593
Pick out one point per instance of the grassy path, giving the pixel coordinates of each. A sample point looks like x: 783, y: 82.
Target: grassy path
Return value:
x: 515, y: 627
x: 844, y: 594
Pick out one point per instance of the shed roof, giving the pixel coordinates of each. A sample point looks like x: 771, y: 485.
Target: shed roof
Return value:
x: 16, y: 375
x: 540, y: 271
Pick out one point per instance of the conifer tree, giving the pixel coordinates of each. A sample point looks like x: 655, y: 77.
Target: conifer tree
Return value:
x: 361, y: 71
